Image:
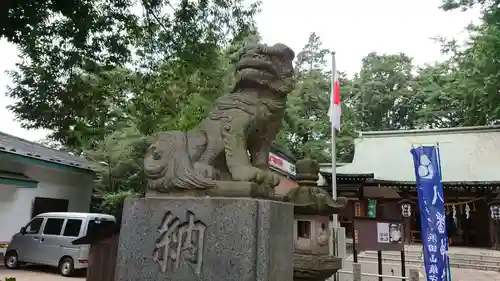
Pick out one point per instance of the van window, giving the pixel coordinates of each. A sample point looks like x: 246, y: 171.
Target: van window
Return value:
x: 97, y: 225
x: 34, y: 226
x: 72, y: 228
x: 53, y: 226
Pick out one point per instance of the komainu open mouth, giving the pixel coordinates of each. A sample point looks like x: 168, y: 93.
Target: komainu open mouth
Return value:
x: 259, y: 65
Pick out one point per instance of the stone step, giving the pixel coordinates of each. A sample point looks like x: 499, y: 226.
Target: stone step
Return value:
x: 462, y: 263
x: 460, y: 251
x: 492, y: 261
x: 474, y: 258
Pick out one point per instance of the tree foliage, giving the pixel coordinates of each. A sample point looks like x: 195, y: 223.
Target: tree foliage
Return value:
x: 72, y: 77
x: 306, y: 124
x: 384, y: 96
x: 463, y: 91
x: 307, y: 129
x: 120, y: 173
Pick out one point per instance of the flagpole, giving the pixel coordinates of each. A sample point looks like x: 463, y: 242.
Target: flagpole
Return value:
x: 334, y: 131
x: 448, y: 269
x: 333, y: 250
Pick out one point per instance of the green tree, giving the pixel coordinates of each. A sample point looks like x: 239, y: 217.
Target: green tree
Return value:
x: 448, y: 5
x: 120, y: 172
x: 306, y: 122
x: 307, y: 128
x: 440, y: 107
x: 54, y: 85
x: 171, y: 99
x: 383, y: 93
x: 463, y: 91
x: 60, y: 41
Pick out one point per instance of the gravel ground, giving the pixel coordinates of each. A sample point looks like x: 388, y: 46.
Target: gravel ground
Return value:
x: 35, y: 274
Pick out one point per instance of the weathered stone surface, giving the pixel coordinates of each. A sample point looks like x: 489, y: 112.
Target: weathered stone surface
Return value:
x: 311, y: 234
x: 223, y: 189
x: 308, y: 198
x: 314, y: 267
x: 233, y: 142
x: 244, y: 239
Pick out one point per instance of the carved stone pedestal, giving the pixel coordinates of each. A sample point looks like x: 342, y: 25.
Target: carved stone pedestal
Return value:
x: 209, y: 239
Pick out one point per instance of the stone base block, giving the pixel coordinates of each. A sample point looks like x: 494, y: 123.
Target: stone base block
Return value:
x: 212, y: 239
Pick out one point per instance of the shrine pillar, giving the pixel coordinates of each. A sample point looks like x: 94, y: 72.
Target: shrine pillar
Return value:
x: 494, y: 206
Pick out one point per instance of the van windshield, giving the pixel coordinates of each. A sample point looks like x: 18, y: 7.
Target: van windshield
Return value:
x: 99, y: 225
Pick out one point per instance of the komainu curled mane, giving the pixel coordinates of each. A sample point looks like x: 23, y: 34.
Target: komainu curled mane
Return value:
x: 233, y: 142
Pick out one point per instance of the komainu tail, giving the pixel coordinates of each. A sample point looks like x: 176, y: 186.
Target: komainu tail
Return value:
x: 168, y: 165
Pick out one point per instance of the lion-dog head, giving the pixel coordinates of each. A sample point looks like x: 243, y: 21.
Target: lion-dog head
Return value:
x: 268, y: 67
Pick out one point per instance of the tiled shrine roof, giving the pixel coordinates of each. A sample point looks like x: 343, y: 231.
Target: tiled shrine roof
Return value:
x: 469, y: 156
x: 17, y: 146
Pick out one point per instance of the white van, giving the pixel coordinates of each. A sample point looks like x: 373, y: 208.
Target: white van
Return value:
x: 47, y: 238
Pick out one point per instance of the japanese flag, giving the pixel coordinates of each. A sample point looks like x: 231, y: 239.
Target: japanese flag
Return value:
x: 335, y: 109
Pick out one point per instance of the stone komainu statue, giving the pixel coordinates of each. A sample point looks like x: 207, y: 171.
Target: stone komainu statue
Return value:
x: 233, y: 142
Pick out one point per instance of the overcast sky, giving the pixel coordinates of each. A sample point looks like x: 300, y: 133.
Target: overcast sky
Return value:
x: 352, y: 28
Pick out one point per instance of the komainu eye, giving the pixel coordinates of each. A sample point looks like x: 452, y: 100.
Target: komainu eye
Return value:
x: 156, y: 156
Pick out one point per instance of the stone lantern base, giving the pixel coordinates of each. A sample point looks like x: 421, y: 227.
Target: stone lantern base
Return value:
x: 314, y: 267
x: 312, y: 207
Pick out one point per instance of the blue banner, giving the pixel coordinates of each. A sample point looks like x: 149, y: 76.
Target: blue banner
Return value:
x: 432, y: 214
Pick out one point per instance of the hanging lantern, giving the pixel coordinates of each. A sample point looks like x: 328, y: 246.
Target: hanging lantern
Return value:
x: 495, y: 211
x: 406, y: 210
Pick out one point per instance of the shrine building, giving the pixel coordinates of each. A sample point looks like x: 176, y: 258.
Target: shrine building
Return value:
x: 381, y: 178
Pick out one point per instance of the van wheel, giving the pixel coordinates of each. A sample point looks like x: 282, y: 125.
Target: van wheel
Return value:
x: 66, y: 267
x: 11, y: 260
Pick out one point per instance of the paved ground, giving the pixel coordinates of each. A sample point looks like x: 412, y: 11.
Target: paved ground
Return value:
x: 394, y: 269
x: 35, y: 274
x: 458, y: 274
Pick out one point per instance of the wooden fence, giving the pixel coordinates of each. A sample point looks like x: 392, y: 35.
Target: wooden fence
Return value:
x: 102, y: 259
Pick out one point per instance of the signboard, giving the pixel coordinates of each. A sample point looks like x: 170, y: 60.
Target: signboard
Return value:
x: 373, y: 235
x: 372, y: 208
x: 388, y: 232
x: 281, y: 164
